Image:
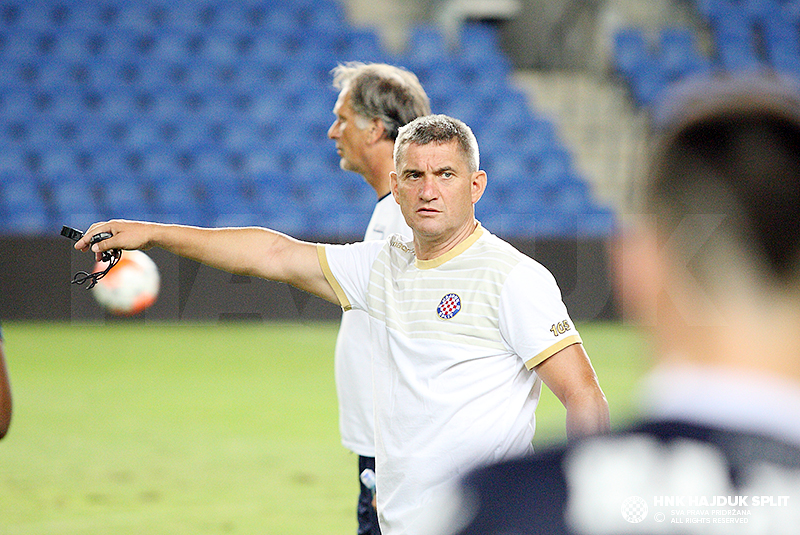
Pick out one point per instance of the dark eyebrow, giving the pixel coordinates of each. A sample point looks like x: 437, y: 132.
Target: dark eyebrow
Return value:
x: 407, y: 172
x: 439, y: 171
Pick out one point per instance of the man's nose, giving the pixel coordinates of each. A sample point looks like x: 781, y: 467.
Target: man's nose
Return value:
x: 428, y: 188
x: 333, y: 131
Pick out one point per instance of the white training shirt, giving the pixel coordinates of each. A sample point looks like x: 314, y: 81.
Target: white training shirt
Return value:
x: 458, y: 338
x: 353, y: 355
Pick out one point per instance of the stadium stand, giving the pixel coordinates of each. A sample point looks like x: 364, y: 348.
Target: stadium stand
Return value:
x: 745, y: 35
x: 213, y: 112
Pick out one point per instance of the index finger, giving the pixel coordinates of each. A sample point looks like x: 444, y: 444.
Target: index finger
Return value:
x: 83, y: 243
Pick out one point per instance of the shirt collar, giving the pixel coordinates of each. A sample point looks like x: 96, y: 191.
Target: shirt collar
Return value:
x: 454, y: 252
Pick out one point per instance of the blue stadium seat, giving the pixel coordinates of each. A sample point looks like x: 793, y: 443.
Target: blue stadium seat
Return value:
x: 142, y: 135
x: 735, y: 44
x: 310, y: 165
x: 790, y: 11
x: 466, y: 110
x: 554, y: 165
x: 111, y: 160
x: 242, y: 136
x: 39, y: 15
x: 287, y: 218
x: 505, y: 168
x: 19, y: 193
x: 631, y: 50
x: 426, y: 43
x: 262, y: 162
x: 478, y: 40
x: 782, y: 45
x: 762, y: 11
x: 363, y: 44
x: 29, y: 45
x: 648, y: 82
x: 75, y: 44
x: 69, y: 198
x: 678, y: 53
x: 175, y: 199
x: 269, y: 105
x: 117, y: 105
x: 123, y: 196
x: 716, y: 10
x: 210, y: 164
x: 141, y: 16
x: 60, y: 161
x: 185, y: 132
x: 13, y: 161
x: 14, y: 131
x: 569, y: 195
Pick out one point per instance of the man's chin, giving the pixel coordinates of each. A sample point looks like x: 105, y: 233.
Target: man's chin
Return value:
x: 345, y: 165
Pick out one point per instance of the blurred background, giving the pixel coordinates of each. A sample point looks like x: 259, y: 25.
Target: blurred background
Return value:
x: 215, y: 113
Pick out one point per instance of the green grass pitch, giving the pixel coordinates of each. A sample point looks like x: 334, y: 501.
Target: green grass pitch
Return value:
x: 132, y: 428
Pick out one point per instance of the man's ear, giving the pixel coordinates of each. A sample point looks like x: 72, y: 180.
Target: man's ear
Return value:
x: 376, y: 131
x: 393, y: 185
x: 478, y: 185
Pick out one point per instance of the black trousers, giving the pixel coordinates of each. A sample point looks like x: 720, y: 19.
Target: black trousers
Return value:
x: 367, y: 515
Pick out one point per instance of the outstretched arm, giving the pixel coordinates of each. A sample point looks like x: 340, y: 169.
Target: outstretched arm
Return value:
x: 249, y: 251
x: 569, y: 374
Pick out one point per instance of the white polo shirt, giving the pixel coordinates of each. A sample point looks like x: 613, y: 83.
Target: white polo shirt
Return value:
x: 453, y: 382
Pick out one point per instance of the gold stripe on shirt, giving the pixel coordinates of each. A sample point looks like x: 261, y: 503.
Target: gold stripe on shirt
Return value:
x: 552, y: 350
x: 326, y: 270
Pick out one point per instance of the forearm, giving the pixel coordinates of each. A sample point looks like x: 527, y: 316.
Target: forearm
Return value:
x: 244, y: 251
x: 587, y: 413
x: 570, y: 376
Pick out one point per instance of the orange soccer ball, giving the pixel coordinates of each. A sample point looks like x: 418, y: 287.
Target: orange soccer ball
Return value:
x: 129, y: 287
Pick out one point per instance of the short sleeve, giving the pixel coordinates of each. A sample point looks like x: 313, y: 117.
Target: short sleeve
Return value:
x: 534, y: 321
x: 347, y: 268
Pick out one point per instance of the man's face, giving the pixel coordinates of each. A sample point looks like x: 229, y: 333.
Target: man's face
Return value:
x: 436, y: 191
x: 350, y: 139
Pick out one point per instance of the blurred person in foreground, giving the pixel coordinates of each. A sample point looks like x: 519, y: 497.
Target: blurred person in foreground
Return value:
x: 713, y: 270
x: 468, y: 328
x: 374, y: 101
x: 5, y: 392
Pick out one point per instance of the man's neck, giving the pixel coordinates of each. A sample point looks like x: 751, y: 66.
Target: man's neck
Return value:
x: 429, y: 249
x: 380, y: 168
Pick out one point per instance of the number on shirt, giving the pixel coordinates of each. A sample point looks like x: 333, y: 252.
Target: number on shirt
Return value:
x: 560, y: 328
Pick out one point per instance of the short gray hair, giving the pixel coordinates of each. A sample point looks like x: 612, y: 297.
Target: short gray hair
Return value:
x: 380, y: 91
x: 438, y: 129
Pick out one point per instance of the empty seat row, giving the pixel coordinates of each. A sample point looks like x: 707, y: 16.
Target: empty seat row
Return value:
x: 205, y: 15
x: 178, y: 46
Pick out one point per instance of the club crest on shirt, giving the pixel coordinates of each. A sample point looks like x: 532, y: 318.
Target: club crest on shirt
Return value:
x: 449, y: 306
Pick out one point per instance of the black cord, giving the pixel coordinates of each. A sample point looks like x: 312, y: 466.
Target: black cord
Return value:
x: 82, y: 277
